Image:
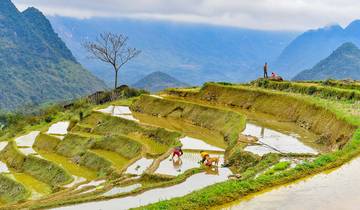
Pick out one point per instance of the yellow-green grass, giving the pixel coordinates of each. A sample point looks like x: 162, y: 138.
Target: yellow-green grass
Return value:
x: 334, y: 91
x: 12, y: 191
x: 107, y: 126
x: 152, y: 147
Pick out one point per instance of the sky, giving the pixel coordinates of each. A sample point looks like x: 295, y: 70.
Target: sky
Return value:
x: 293, y: 15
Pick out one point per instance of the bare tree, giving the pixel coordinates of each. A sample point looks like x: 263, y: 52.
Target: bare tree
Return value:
x: 112, y: 49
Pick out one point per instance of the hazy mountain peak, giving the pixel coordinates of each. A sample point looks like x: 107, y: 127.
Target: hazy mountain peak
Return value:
x: 347, y: 47
x: 354, y: 28
x: 343, y: 63
x: 42, y: 26
x: 34, y: 12
x: 158, y: 81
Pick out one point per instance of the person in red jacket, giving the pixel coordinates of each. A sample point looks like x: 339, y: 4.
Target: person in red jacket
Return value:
x: 177, y: 152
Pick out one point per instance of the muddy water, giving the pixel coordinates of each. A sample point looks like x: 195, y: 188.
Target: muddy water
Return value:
x: 207, y: 136
x: 118, y: 161
x: 195, y: 182
x: 275, y: 141
x: 68, y: 165
x: 60, y: 128
x: 178, y: 166
x: 332, y: 190
x: 37, y: 188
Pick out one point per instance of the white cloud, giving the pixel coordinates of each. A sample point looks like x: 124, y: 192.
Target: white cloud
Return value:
x: 259, y: 14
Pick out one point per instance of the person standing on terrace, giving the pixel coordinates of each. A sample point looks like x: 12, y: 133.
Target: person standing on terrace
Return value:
x: 266, y: 71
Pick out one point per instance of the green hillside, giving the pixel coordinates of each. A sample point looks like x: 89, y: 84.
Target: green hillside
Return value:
x: 343, y: 63
x: 35, y: 64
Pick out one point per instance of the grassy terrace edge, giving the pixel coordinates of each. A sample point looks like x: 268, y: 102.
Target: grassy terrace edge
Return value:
x: 232, y: 190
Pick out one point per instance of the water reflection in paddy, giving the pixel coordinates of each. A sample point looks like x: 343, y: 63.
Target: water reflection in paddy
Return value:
x: 119, y: 111
x: 27, y: 140
x: 197, y: 144
x: 195, y: 182
x: 3, y: 168
x: 275, y: 141
x: 139, y: 166
x: 60, y: 128
x: 333, y: 190
x: 119, y: 190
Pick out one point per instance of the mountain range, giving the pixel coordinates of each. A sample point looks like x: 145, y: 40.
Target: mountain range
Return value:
x: 158, y: 81
x: 343, y: 63
x: 35, y: 64
x: 313, y: 46
x: 192, y: 53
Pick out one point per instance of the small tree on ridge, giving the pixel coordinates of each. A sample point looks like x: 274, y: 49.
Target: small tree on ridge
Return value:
x: 112, y: 49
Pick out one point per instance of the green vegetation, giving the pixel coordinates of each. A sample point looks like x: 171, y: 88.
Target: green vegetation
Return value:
x: 38, y: 118
x: 46, y: 142
x: 121, y: 145
x: 345, y: 84
x: 266, y: 161
x: 240, y: 160
x: 39, y: 50
x: 311, y: 89
x: 105, y: 125
x: 96, y: 163
x: 277, y: 168
x: 12, y: 191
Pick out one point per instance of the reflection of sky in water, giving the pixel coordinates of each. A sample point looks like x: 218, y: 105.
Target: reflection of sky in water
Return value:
x: 193, y: 183
x: 282, y: 142
x: 27, y: 140
x: 60, y: 128
x: 339, y: 189
x: 3, y: 168
x: 139, y: 166
x: 119, y: 111
x: 197, y: 144
x: 118, y: 190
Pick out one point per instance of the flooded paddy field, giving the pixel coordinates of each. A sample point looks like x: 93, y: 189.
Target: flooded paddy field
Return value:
x: 116, y: 158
